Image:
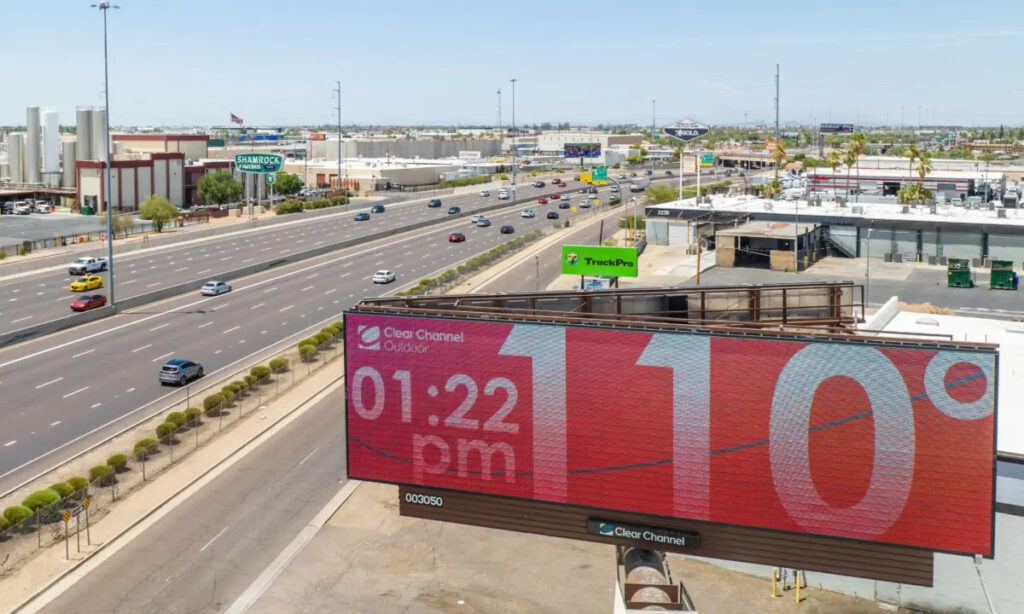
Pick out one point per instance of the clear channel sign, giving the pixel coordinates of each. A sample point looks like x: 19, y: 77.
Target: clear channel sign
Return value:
x: 258, y: 163
x: 687, y: 130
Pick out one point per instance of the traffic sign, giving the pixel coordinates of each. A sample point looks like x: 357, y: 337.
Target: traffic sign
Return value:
x: 66, y: 516
x: 686, y: 130
x: 78, y: 510
x: 600, y: 174
x: 85, y: 503
x: 271, y: 178
x: 259, y: 163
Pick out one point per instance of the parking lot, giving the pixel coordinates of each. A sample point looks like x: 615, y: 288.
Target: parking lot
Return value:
x: 17, y: 228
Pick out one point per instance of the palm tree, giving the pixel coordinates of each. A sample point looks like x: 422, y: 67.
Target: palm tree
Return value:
x: 833, y: 161
x: 849, y: 159
x: 778, y: 156
x: 913, y: 153
x: 924, y: 166
x: 858, y: 144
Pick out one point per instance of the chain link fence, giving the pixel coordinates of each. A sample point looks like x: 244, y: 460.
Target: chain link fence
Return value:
x: 128, y: 461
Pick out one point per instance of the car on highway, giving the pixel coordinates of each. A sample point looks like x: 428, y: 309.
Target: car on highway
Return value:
x: 528, y: 213
x: 483, y: 222
x: 507, y: 229
x: 538, y: 184
x: 592, y: 190
x: 180, y: 371
x: 585, y: 203
x: 565, y: 197
x: 484, y: 193
x: 668, y: 173
x: 632, y: 174
x: 621, y: 176
x: 434, y: 203
x: 456, y: 237
x: 377, y: 209
x: 542, y: 201
x: 362, y: 216
x: 648, y: 172
x: 89, y: 282
x: 504, y: 194
x: 564, y: 205
x: 582, y: 191
x: 552, y: 215
x: 555, y: 196
x: 213, y: 288
x: 88, y: 301
x: 383, y: 276
x: 453, y: 210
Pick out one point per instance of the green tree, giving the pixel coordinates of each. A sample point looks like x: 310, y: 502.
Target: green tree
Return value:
x: 158, y: 211
x: 661, y: 194
x: 833, y: 160
x: 121, y: 223
x: 912, y: 153
x: 219, y: 187
x: 287, y: 184
x: 778, y: 156
x: 858, y: 144
x: 924, y: 165
x: 849, y: 159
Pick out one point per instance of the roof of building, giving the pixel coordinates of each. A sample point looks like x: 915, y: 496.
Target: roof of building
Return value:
x: 766, y: 230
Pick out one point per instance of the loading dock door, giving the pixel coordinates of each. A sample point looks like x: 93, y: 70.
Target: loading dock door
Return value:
x: 677, y: 235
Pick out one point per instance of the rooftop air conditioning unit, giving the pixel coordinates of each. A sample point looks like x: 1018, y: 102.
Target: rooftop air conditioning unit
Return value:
x: 905, y: 209
x: 1001, y: 212
x: 768, y: 206
x: 857, y: 210
x: 933, y: 208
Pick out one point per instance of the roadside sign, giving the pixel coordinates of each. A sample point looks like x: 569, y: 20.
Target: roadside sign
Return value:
x: 66, y: 516
x: 707, y: 159
x: 686, y: 130
x: 271, y: 178
x: 599, y: 261
x: 85, y: 503
x: 600, y: 173
x: 78, y: 510
x: 259, y: 163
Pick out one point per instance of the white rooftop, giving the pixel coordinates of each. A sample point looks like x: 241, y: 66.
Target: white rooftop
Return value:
x: 1010, y: 337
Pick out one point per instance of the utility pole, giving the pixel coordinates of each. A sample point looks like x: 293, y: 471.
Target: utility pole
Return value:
x: 515, y: 165
x: 652, y: 120
x: 776, y: 117
x: 104, y: 6
x: 499, y: 119
x: 337, y: 92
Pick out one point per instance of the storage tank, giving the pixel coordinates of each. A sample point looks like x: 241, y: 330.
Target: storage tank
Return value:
x: 83, y: 132
x: 15, y: 145
x: 30, y: 157
x: 51, y: 142
x: 99, y: 133
x: 68, y: 150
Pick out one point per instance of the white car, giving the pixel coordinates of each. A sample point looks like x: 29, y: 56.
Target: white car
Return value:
x: 565, y: 197
x: 528, y: 213
x: 213, y: 288
x: 383, y: 277
x: 476, y: 219
x: 485, y: 193
x: 584, y: 204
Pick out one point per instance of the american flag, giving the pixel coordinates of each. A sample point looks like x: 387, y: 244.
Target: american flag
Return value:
x: 236, y: 119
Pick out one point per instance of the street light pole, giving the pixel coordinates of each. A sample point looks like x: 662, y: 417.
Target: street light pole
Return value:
x: 515, y: 165
x: 337, y: 91
x: 103, y: 6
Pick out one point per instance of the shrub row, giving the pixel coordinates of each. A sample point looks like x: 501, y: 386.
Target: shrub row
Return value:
x: 296, y: 206
x: 463, y: 181
x: 309, y: 346
x: 43, y: 501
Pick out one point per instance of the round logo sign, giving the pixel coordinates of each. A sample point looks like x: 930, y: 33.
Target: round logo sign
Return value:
x: 572, y: 258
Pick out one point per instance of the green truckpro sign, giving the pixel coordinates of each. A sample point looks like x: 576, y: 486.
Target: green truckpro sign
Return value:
x: 599, y: 261
x: 258, y: 163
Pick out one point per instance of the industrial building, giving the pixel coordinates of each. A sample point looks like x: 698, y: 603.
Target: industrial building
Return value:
x: 614, y: 147
x: 888, y: 181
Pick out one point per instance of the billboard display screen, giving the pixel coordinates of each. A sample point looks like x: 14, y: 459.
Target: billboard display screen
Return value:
x: 599, y: 261
x: 885, y: 443
x: 582, y: 150
x: 836, y: 129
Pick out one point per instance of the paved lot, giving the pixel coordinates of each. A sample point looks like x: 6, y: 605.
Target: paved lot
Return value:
x: 17, y: 228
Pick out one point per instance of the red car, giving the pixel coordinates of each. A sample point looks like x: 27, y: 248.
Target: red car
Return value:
x: 88, y: 301
x: 555, y: 196
x: 542, y: 201
x: 456, y: 237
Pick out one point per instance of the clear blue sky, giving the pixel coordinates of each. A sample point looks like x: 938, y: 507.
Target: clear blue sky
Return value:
x: 190, y: 62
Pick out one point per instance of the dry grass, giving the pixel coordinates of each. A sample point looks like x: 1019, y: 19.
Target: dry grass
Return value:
x: 926, y: 308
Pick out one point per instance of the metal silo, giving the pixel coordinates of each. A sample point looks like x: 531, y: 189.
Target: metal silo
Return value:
x: 68, y: 149
x: 51, y: 142
x: 83, y: 132
x: 30, y: 158
x: 15, y: 144
x: 99, y: 134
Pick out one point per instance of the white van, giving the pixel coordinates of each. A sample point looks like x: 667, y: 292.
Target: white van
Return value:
x: 504, y: 194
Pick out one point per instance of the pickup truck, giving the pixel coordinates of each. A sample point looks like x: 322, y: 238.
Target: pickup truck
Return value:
x: 87, y: 264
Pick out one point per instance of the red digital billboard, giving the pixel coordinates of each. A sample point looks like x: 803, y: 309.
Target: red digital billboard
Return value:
x: 868, y: 440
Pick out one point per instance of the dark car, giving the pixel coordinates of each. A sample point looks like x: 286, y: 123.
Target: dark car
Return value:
x: 668, y: 173
x: 456, y: 237
x: 583, y: 190
x: 362, y: 216
x: 648, y: 172
x: 507, y: 229
x: 88, y: 301
x: 632, y: 174
x: 552, y: 215
x: 453, y: 210
x: 563, y: 205
x: 377, y: 209
x: 538, y: 184
x: 180, y: 371
x: 434, y: 203
x: 592, y: 190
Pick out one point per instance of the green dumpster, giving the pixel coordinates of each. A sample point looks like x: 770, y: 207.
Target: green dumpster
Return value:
x: 1002, y: 275
x: 958, y: 273
x: 87, y: 210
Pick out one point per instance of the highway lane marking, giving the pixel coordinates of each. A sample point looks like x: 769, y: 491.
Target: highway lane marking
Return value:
x: 204, y: 271
x: 331, y: 290
x: 125, y: 283
x: 55, y: 423
x: 132, y: 389
x: 155, y: 283
x: 20, y: 319
x: 184, y: 268
x: 225, y: 258
x: 53, y: 381
x: 159, y: 327
x: 264, y: 249
x: 162, y: 357
x: 80, y: 354
x: 73, y: 393
x: 230, y: 330
x: 248, y: 260
x: 269, y: 290
x: 257, y: 306
x: 95, y: 405
x: 307, y: 289
x: 148, y: 345
x: 11, y: 300
x: 285, y: 308
x: 306, y: 458
x: 344, y: 275
x: 210, y: 543
x: 205, y: 325
x: 313, y: 275
x: 217, y: 352
x: 10, y: 443
x: 221, y: 306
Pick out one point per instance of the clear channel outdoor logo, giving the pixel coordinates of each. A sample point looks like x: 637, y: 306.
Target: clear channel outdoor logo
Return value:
x: 607, y: 529
x: 369, y: 337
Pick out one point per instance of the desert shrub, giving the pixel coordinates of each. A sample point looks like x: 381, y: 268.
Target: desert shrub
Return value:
x: 101, y: 475
x: 178, y: 418
x: 79, y: 484
x: 324, y: 338
x: 3, y: 524
x: 228, y: 394
x: 260, y: 371
x: 118, y: 462
x: 339, y: 325
x: 213, y: 403
x: 17, y: 513
x: 329, y: 330
x: 307, y: 352
x: 144, y: 448
x: 279, y: 364
x: 165, y: 432
x: 288, y: 206
x: 41, y: 498
x: 63, y: 489
x: 192, y: 415
x: 242, y: 385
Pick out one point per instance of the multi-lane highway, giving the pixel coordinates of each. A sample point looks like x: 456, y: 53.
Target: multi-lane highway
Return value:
x: 70, y: 389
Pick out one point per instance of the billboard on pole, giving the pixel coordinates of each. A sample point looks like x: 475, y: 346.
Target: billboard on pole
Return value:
x: 884, y: 442
x: 582, y: 150
x: 599, y: 261
x: 836, y: 129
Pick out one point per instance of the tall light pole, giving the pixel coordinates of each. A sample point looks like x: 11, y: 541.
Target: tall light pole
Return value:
x: 515, y: 165
x: 337, y: 91
x: 499, y: 120
x: 103, y: 6
x: 652, y: 120
x: 776, y: 117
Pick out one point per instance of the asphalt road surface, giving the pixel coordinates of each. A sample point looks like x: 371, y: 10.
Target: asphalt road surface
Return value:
x: 65, y: 391
x: 205, y: 552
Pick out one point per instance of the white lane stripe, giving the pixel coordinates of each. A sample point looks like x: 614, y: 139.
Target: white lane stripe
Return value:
x: 73, y: 393
x: 148, y: 345
x: 204, y: 270
x: 306, y: 458
x: 307, y: 289
x: 257, y: 306
x: 159, y: 327
x: 232, y: 329
x: 285, y: 308
x: 95, y: 405
x: 205, y: 325
x: 11, y: 443
x: 270, y: 290
x: 162, y: 357
x: 132, y: 389
x: 80, y: 354
x: 209, y: 543
x: 55, y: 423
x: 20, y: 319
x: 53, y: 381
x: 331, y: 290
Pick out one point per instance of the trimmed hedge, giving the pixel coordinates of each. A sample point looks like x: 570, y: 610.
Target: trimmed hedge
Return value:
x: 3, y: 524
x: 241, y: 385
x: 252, y: 380
x: 144, y: 448
x: 308, y: 352
x: 165, y: 431
x: 192, y: 416
x: 213, y: 403
x: 101, y: 475
x: 260, y: 371
x: 339, y: 325
x: 63, y: 489
x: 17, y: 513
x: 118, y: 462
x: 41, y: 498
x: 279, y: 364
x: 178, y: 418
x: 79, y: 484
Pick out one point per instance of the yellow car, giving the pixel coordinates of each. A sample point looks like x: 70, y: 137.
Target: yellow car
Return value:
x: 82, y: 284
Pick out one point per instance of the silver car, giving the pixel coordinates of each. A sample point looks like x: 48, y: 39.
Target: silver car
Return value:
x: 180, y: 371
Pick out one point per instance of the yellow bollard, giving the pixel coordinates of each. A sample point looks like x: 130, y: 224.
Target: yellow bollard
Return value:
x: 775, y: 582
x: 799, y: 581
